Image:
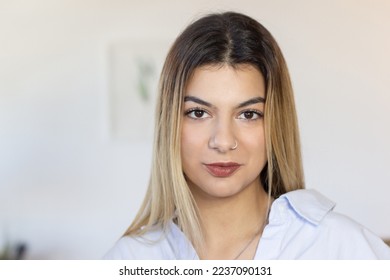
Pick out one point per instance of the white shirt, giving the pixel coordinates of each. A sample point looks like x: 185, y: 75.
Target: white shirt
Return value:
x: 301, y: 225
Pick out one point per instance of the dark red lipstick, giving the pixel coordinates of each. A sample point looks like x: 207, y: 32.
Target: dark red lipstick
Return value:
x: 222, y: 169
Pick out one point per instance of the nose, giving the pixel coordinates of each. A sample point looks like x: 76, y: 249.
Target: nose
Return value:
x: 222, y: 137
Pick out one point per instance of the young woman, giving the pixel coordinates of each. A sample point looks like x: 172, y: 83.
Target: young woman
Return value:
x: 227, y: 179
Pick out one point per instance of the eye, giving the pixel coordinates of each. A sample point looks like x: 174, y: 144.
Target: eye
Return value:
x: 197, y: 113
x: 250, y: 115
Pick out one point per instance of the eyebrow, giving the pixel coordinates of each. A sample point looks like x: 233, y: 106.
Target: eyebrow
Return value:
x: 251, y: 101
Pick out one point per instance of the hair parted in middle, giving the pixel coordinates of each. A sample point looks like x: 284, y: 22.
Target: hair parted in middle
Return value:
x: 219, y: 39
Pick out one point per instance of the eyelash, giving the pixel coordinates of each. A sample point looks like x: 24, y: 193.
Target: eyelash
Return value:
x: 258, y: 113
x: 192, y: 110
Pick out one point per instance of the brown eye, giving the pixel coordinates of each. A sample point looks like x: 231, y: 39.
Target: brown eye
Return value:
x: 249, y: 115
x: 198, y: 113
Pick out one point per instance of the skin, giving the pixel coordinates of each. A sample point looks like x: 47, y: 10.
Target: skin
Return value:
x: 225, y: 105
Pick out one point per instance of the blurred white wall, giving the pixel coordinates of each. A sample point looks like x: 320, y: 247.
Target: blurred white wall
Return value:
x: 69, y: 190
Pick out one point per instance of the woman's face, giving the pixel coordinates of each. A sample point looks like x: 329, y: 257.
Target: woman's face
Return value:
x: 222, y: 142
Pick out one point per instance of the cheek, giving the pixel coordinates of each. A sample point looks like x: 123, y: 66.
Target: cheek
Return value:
x: 191, y: 143
x: 255, y: 146
x: 259, y: 145
x: 186, y: 139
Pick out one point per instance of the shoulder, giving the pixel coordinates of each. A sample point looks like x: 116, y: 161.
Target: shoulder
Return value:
x: 317, y: 231
x: 138, y: 247
x: 157, y: 244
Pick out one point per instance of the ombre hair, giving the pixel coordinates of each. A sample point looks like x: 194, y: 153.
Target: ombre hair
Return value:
x: 235, y: 40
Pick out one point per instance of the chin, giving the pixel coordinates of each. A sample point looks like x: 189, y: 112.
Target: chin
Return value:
x: 219, y: 191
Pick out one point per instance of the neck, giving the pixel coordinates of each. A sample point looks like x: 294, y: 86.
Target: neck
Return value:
x: 230, y: 223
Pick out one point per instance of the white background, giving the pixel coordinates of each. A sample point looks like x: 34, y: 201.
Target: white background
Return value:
x: 69, y: 190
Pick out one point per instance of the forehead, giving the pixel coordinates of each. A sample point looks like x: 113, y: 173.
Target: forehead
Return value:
x: 215, y: 81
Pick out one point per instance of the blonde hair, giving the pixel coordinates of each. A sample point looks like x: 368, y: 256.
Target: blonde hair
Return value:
x: 217, y: 39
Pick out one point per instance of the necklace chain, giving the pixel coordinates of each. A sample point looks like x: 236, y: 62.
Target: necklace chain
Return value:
x: 249, y: 242
x: 256, y: 233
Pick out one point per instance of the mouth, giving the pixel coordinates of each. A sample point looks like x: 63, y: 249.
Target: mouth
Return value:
x: 222, y: 169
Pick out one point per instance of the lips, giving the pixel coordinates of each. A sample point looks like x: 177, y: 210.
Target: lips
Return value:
x: 222, y: 169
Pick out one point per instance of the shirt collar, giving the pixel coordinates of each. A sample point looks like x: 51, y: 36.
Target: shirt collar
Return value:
x: 308, y: 204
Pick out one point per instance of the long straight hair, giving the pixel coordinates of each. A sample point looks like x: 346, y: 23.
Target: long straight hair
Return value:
x: 231, y: 39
